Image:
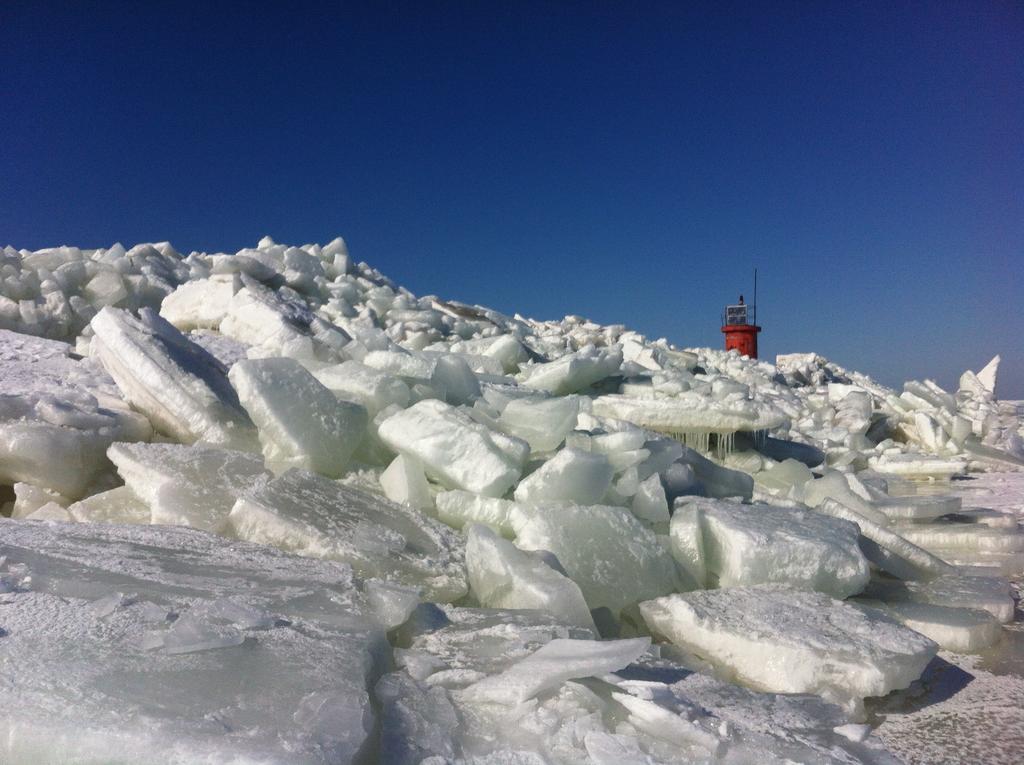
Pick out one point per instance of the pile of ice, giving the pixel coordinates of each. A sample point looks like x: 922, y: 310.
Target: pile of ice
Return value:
x: 420, y: 530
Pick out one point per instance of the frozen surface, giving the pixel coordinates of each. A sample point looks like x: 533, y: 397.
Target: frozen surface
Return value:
x: 216, y: 651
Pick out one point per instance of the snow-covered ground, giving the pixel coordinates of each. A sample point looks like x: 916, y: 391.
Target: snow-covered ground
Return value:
x: 273, y: 507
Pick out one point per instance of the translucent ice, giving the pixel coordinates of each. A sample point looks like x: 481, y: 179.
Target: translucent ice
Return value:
x: 616, y: 542
x: 308, y: 514
x: 502, y: 576
x: 301, y: 424
x: 454, y: 449
x: 570, y: 476
x: 182, y: 485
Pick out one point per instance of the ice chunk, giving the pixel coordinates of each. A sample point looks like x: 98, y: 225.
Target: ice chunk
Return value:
x: 51, y: 511
x: 942, y: 538
x: 391, y: 603
x: 570, y: 476
x: 56, y: 458
x: 301, y: 423
x: 359, y: 383
x: 454, y: 381
x: 119, y: 505
x: 775, y: 638
x: 181, y: 388
x: 963, y: 630
x: 201, y: 304
x: 616, y: 542
x: 457, y: 508
x: 991, y: 594
x: 783, y: 476
x: 187, y: 485
x: 917, y: 508
x: 763, y: 544
x: 502, y: 576
x: 454, y: 449
x: 649, y: 502
x: 918, y: 465
x: 553, y: 664
x: 404, y: 482
x: 106, y: 288
x: 307, y: 514
x: 573, y: 372
x: 833, y: 485
x: 686, y: 541
x: 888, y: 549
x: 29, y: 498
x: 717, y: 481
x: 542, y: 423
x: 691, y: 414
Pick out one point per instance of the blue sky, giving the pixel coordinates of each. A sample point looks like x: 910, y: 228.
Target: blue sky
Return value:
x: 631, y: 162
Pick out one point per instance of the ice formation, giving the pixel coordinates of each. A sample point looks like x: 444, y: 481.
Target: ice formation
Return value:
x: 426, y: 531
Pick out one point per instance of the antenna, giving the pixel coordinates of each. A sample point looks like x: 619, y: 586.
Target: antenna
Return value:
x: 755, y: 297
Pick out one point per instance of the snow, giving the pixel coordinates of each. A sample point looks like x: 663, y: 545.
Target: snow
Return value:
x: 552, y: 478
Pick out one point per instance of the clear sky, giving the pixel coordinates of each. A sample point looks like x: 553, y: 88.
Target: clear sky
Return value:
x: 630, y: 162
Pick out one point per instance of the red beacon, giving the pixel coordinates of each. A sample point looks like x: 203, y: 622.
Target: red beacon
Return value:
x: 739, y: 325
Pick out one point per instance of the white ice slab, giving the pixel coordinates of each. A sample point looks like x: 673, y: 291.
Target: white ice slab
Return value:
x: 764, y: 544
x: 570, y: 476
x: 573, y: 372
x: 615, y: 542
x: 361, y: 384
x: 457, y: 451
x: 542, y: 423
x: 552, y: 664
x: 301, y: 424
x: 503, y: 576
x: 181, y: 388
x: 887, y: 548
x: 775, y: 638
x: 457, y: 508
x: 405, y: 483
x: 182, y: 485
x: 120, y: 505
x: 307, y: 514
